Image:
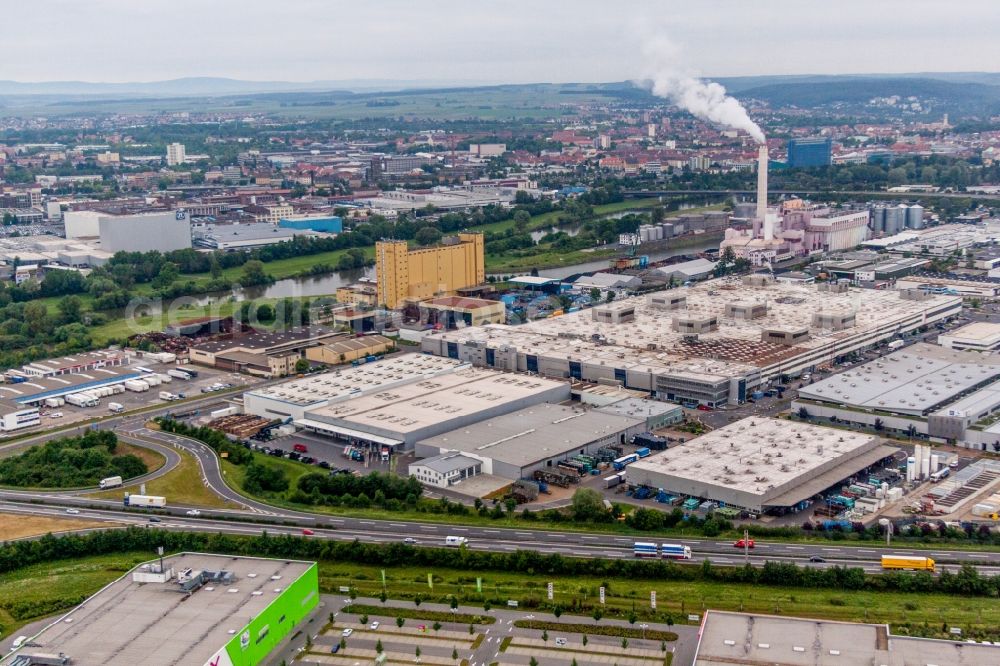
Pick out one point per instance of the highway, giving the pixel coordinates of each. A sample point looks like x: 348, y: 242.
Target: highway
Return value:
x: 570, y: 544
x: 641, y: 194
x: 257, y: 516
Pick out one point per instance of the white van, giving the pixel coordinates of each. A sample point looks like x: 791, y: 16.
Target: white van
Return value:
x: 455, y: 541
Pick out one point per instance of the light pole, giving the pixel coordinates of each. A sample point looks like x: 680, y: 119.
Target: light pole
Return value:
x: 643, y: 627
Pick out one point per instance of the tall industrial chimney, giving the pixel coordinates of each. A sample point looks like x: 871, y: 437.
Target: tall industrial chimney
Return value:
x: 762, y: 183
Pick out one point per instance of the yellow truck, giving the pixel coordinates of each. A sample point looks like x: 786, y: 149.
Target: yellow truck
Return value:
x: 909, y: 562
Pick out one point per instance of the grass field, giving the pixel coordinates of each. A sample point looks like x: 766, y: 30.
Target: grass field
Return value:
x: 54, y: 587
x: 675, y: 599
x: 182, y: 485
x: 235, y: 474
x: 19, y: 526
x: 153, y: 459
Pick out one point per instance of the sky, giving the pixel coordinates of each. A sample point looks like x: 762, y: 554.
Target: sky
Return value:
x: 514, y: 41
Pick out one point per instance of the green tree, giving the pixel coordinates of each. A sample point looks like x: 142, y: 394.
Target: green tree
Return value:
x: 265, y: 313
x: 378, y: 646
x: 436, y: 626
x: 428, y: 235
x: 585, y: 639
x: 454, y: 653
x: 416, y: 652
x: 214, y: 268
x: 545, y: 635
x: 301, y: 365
x: 70, y: 309
x: 595, y: 294
x: 253, y: 274
x: 521, y: 220
x: 400, y: 622
x: 168, y: 273
x: 587, y: 504
x: 597, y: 614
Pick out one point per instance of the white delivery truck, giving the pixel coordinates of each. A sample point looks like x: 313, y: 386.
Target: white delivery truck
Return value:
x: 167, y: 395
x: 455, y: 541
x: 136, y: 385
x: 145, y: 500
x: 82, y: 399
x: 178, y: 374
x: 110, y: 482
x: 116, y: 407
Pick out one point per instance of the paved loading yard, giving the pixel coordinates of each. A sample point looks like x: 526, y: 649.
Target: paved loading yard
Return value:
x: 500, y: 642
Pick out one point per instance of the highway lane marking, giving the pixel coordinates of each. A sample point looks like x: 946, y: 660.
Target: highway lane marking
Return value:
x: 978, y: 556
x: 367, y: 522
x: 796, y: 547
x: 832, y: 550
x: 589, y: 537
x: 493, y: 531
x: 397, y: 525
x: 460, y: 529
x: 865, y: 550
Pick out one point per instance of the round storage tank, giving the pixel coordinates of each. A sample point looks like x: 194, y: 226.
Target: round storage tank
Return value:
x: 878, y: 219
x: 915, y: 217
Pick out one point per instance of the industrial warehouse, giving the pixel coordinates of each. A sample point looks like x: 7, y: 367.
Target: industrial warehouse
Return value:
x: 738, y: 639
x: 515, y: 445
x: 761, y: 464
x: 710, y: 344
x: 190, y: 608
x: 397, y: 402
x: 922, y: 390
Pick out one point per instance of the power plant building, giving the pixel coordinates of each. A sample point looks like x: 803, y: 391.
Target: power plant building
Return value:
x: 404, y: 274
x: 145, y: 232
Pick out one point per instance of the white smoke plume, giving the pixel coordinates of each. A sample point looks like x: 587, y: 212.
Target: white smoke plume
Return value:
x: 666, y: 78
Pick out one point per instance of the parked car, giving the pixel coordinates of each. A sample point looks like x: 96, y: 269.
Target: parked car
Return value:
x: 347, y: 632
x: 373, y: 626
x: 560, y: 641
x: 335, y: 649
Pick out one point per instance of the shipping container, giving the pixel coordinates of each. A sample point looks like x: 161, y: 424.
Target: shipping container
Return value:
x: 908, y: 562
x: 179, y: 374
x: 136, y: 385
x: 82, y: 399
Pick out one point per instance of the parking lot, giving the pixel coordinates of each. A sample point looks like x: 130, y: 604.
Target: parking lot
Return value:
x: 497, y: 640
x: 66, y: 415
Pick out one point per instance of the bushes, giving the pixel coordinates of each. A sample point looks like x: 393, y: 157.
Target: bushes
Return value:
x: 377, y: 487
x: 420, y: 614
x: 236, y: 454
x: 263, y: 478
x: 70, y: 462
x: 27, y: 609
x: 597, y: 630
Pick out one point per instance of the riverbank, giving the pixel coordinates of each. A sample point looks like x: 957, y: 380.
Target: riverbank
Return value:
x: 542, y: 257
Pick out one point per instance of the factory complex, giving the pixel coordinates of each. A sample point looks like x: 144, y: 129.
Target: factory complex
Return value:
x: 190, y: 608
x: 761, y: 464
x: 515, y: 445
x: 921, y: 390
x: 397, y: 402
x: 731, y: 639
x: 709, y: 344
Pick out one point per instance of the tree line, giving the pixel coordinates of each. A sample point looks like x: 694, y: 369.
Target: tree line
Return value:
x: 14, y: 555
x: 70, y: 462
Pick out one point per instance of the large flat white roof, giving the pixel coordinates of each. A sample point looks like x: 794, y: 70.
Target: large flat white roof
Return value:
x: 155, y: 624
x: 410, y: 407
x: 755, y: 456
x: 911, y: 381
x: 731, y: 639
x: 529, y: 435
x: 978, y: 333
x: 353, y: 381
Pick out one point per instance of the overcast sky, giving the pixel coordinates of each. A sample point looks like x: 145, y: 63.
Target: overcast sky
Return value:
x: 475, y: 40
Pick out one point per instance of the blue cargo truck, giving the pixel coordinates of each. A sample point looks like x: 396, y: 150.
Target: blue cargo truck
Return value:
x: 645, y: 549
